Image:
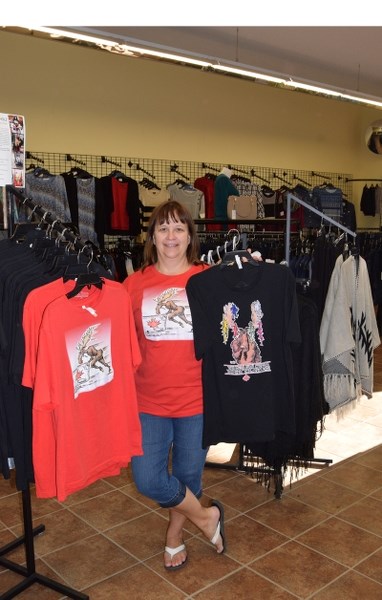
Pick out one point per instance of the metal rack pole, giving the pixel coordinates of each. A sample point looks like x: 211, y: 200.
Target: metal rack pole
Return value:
x: 29, y: 572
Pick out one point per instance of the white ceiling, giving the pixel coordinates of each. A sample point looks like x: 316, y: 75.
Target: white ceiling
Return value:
x: 345, y: 57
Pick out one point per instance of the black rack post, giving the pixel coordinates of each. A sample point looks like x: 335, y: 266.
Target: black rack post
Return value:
x: 29, y: 572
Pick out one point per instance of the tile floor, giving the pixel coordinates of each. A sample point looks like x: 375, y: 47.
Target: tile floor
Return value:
x: 321, y: 540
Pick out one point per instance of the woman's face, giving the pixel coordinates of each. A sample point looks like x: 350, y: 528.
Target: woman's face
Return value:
x: 171, y: 240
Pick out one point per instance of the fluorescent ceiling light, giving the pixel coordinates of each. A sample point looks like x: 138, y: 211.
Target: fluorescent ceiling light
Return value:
x: 211, y: 64
x: 312, y: 88
x: 247, y: 73
x: 122, y: 48
x: 351, y: 98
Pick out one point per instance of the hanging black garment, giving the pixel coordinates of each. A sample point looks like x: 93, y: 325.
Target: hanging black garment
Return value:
x: 310, y: 404
x: 22, y: 269
x: 325, y: 254
x: 85, y: 202
x: 244, y: 321
x: 348, y: 218
x: 367, y: 203
x: 121, y: 209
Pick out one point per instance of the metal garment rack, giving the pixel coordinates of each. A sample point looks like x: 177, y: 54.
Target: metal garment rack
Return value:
x: 245, y: 462
x: 241, y: 235
x: 45, y: 216
x: 291, y: 197
x: 29, y: 572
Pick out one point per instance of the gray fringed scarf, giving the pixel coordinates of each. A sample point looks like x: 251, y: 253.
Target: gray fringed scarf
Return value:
x: 348, y: 334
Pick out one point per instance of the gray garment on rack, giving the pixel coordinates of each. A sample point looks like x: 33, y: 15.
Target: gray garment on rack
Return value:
x: 49, y: 191
x: 190, y: 197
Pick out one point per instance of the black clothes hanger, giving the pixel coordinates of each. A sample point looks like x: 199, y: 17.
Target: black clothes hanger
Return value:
x: 267, y: 191
x: 119, y: 175
x: 64, y: 256
x: 354, y: 251
x: 60, y: 262
x: 150, y: 185
x: 181, y: 182
x: 41, y: 172
x: 26, y: 233
x: 85, y: 280
x: 283, y: 189
x: 76, y: 268
x: 79, y: 173
x: 83, y: 274
x: 229, y: 258
x: 237, y: 177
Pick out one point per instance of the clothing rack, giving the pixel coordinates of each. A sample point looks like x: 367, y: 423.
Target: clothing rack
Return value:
x: 48, y: 218
x: 323, y: 216
x: 174, y: 169
x: 369, y: 229
x: 363, y: 179
x: 71, y: 158
x: 245, y: 462
x: 314, y: 174
x: 206, y: 166
x: 236, y: 169
x: 237, y: 221
x: 29, y: 572
x: 242, y: 233
x: 139, y: 168
x: 275, y: 176
x: 254, y: 174
x: 242, y: 241
x: 302, y: 180
x: 31, y: 156
x: 162, y: 169
x: 105, y: 159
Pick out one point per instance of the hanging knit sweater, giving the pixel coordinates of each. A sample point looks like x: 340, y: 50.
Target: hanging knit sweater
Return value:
x: 348, y: 334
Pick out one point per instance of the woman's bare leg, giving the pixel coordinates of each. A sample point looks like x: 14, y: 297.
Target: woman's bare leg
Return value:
x: 174, y: 538
x: 205, y: 518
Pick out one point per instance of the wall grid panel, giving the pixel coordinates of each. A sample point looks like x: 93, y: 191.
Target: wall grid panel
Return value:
x: 164, y: 171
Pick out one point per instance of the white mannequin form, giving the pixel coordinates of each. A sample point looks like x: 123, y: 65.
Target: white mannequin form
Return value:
x: 226, y: 171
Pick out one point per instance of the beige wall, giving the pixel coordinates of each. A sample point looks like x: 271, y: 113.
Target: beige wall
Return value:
x: 79, y: 100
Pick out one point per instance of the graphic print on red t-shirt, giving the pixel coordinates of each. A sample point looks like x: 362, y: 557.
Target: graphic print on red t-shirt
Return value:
x: 246, y: 341
x: 89, y: 355
x: 166, y: 314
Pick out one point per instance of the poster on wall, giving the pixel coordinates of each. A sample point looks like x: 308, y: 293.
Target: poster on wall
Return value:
x: 12, y: 158
x: 12, y: 150
x: 3, y: 212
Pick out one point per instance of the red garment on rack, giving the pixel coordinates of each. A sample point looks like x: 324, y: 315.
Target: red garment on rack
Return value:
x: 85, y: 416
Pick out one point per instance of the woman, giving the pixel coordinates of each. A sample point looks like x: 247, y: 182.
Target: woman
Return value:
x: 168, y: 381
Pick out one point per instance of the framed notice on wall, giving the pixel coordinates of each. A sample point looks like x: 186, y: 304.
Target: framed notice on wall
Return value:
x: 12, y: 150
x: 12, y: 157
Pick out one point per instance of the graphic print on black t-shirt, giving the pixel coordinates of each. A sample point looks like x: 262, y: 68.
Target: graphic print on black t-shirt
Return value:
x: 246, y: 341
x: 89, y: 355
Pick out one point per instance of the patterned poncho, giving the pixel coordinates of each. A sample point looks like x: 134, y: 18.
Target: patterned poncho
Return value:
x: 348, y: 334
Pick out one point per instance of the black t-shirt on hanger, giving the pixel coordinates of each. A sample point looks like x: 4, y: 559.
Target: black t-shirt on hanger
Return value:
x: 244, y: 322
